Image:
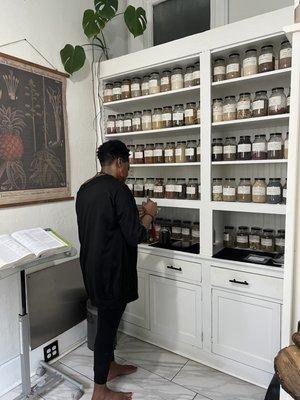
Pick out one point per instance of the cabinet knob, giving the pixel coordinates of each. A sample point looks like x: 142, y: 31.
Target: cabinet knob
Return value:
x: 174, y: 268
x: 239, y: 282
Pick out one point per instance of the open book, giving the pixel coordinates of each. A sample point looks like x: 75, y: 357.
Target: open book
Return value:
x: 29, y: 244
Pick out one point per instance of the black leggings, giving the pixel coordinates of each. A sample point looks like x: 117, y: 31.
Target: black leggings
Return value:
x: 108, y: 323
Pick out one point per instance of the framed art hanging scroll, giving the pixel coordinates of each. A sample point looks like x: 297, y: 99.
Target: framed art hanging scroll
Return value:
x: 34, y: 153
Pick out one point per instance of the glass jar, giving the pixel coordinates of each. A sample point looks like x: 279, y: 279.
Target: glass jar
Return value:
x: 120, y: 123
x: 186, y: 232
x: 195, y: 233
x: 188, y: 76
x: 154, y: 83
x: 229, y: 108
x: 199, y: 191
x: 180, y: 152
x: 131, y: 148
x: 176, y: 230
x: 254, y: 238
x: 244, y: 148
x: 192, y: 192
x: 229, y: 149
x: 137, y: 121
x: 130, y: 184
x: 138, y: 188
x: 285, y: 55
x: 286, y: 147
x: 108, y: 92
x: 117, y: 91
x: 128, y: 122
x: 147, y: 120
x: 259, y: 148
x: 217, y: 189
x: 244, y: 190
x: 169, y: 152
x: 274, y: 191
x: 149, y: 153
x: 111, y: 124
x: 229, y: 236
x: 181, y: 188
x: 217, y: 150
x: 267, y: 242
x: 165, y: 81
x: 244, y: 106
x: 242, y: 237
x: 178, y: 115
x: 158, y: 153
x: 149, y: 187
x: 229, y: 190
x: 233, y: 67
x: 280, y: 241
x: 170, y: 192
x: 190, y: 151
x: 126, y: 92
x: 219, y: 71
x: 277, y: 101
x: 260, y: 104
x: 177, y: 78
x: 266, y: 60
x: 217, y: 113
x: 275, y: 146
x: 145, y: 85
x: 167, y: 117
x: 198, y: 121
x: 139, y: 154
x: 288, y: 101
x: 284, y: 192
x: 157, y: 118
x: 136, y: 87
x: 157, y: 226
x: 159, y: 189
x: 199, y: 151
x: 190, y: 114
x: 250, y: 62
x: 196, y: 74
x: 259, y: 190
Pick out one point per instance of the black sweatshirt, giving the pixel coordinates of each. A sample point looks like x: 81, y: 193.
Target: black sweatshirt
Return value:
x: 109, y: 232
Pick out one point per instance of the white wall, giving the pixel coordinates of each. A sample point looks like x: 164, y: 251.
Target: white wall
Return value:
x: 241, y: 9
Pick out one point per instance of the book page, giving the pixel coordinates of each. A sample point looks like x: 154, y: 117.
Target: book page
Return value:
x: 11, y: 251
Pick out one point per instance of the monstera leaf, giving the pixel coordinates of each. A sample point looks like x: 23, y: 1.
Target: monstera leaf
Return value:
x: 73, y: 58
x: 135, y: 19
x: 106, y: 8
x: 92, y: 23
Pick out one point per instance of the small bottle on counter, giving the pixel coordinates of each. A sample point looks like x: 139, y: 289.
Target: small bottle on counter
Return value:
x: 178, y: 115
x: 267, y: 242
x: 250, y: 62
x: 286, y: 146
x: 229, y: 190
x: 217, y: 110
x: 137, y: 121
x: 157, y: 118
x: 217, y: 189
x: 108, y: 93
x: 158, y: 153
x: 219, y: 70
x: 145, y: 85
x: 149, y: 187
x: 259, y: 148
x: 217, y: 149
x: 277, y: 102
x: 159, y: 189
x: 154, y: 83
x: 139, y: 154
x: 274, y: 191
x: 259, y: 191
x: 147, y: 120
x: 128, y: 122
x: 190, y: 114
x: 266, y: 60
x: 188, y: 76
x: 111, y: 124
x: 242, y: 237
x: 167, y: 121
x: 244, y: 106
x: 181, y: 188
x: 192, y: 192
x: 177, y: 78
x: 126, y: 92
x: 229, y: 237
x: 169, y: 152
x: 284, y: 192
x: 117, y: 91
x: 149, y: 153
x: 229, y: 149
x: 233, y: 66
x: 244, y: 190
x: 180, y: 152
x: 131, y: 148
x: 244, y: 148
x: 285, y: 55
x: 136, y: 87
x: 196, y: 74
x: 120, y: 123
x: 229, y: 108
x: 260, y: 104
x: 275, y: 146
x: 138, y: 188
x: 254, y: 238
x: 165, y: 81
x: 280, y: 241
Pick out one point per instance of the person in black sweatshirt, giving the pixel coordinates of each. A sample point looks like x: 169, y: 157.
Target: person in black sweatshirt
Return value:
x: 110, y: 229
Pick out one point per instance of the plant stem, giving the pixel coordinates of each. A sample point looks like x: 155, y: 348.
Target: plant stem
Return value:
x: 104, y: 41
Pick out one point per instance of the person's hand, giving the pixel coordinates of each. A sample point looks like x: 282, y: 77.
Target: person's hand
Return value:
x: 141, y: 211
x: 150, y: 208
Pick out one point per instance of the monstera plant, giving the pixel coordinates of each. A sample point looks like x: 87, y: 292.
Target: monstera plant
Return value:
x: 93, y: 23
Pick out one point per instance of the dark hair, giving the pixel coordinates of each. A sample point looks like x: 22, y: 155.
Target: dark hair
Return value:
x: 112, y: 150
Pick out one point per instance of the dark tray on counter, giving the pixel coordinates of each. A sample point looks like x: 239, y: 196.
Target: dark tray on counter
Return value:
x: 177, y: 245
x: 242, y: 255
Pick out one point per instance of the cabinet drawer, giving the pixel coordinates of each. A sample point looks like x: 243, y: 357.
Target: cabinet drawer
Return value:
x: 169, y: 267
x: 247, y: 283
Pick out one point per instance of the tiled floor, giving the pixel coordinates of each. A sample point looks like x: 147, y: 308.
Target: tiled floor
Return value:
x: 161, y: 376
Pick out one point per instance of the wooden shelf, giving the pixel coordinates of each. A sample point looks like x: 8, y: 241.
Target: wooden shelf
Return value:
x: 250, y: 162
x: 163, y: 165
x: 173, y: 203
x: 271, y: 120
x: 278, y: 209
x: 154, y: 132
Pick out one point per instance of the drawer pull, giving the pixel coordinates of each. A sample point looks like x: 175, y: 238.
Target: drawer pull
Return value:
x: 174, y: 268
x: 239, y: 282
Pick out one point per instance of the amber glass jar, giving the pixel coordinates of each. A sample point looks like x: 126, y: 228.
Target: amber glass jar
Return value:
x: 190, y: 114
x: 260, y: 104
x: 137, y: 121
x: 229, y: 149
x: 154, y: 83
x: 244, y: 190
x: 244, y: 149
x: 120, y: 123
x: 285, y: 55
x: 267, y: 241
x: 111, y: 124
x: 128, y: 122
x: 181, y: 188
x: 229, y: 236
x: 190, y: 151
x: 217, y: 150
x: 126, y: 92
x: 149, y: 153
x: 219, y: 70
x: 233, y: 66
x: 229, y: 190
x: 159, y: 189
x: 158, y: 153
x: 180, y: 152
x: 244, y: 106
x: 169, y: 152
x: 108, y: 93
x: 250, y: 62
x: 157, y: 118
x: 117, y: 91
x: 259, y: 190
x: 242, y: 237
x: 178, y: 115
x: 254, y: 238
x: 138, y: 188
x: 136, y: 87
x: 266, y: 60
x: 170, y: 189
x: 139, y: 154
x: 188, y: 76
x: 196, y: 74
x: 192, y: 191
x: 229, y: 108
x: 145, y: 85
x: 217, y: 189
x: 165, y: 81
x: 167, y: 117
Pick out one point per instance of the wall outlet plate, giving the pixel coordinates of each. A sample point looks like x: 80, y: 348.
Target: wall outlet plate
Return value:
x: 51, y: 351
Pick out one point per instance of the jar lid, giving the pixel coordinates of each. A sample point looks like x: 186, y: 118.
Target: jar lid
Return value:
x: 191, y: 103
x: 267, y: 46
x: 166, y: 70
x: 260, y: 136
x: 177, y: 68
x: 157, y: 109
x: 261, y: 91
x: 232, y: 137
x: 275, y: 179
x: 234, y: 55
x: 128, y: 114
x: 281, y: 231
x: 268, y: 230
x: 196, y: 223
x: 278, y: 88
x: 146, y: 76
x: 111, y: 116
x: 177, y: 221
x: 260, y: 179
x: 172, y: 142
x: 178, y: 105
x: 120, y: 115
x: 247, y: 51
x: 126, y: 80
x: 186, y: 222
x: 230, y: 97
x: 197, y: 63
x: 275, y: 134
x: 147, y: 111
x: 192, y: 141
x: 137, y: 111
x: 219, y: 59
x: 136, y: 77
x: 245, y: 179
x: 242, y: 227
x: 255, y: 228
x: 245, y: 94
x: 117, y: 83
x: 108, y: 83
x: 167, y: 107
x: 154, y: 73
x: 228, y: 227
x: 190, y: 66
x: 285, y: 41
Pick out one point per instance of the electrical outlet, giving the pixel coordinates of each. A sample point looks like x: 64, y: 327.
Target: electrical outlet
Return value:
x: 51, y: 351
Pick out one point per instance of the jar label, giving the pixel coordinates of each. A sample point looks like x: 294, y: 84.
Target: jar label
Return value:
x: 234, y: 67
x: 190, y: 152
x: 199, y: 189
x: 117, y: 90
x: 198, y: 114
x: 170, y: 188
x: 186, y: 231
x: 258, y: 191
x: 217, y: 111
x: 198, y: 150
x: 244, y: 148
x: 178, y: 116
x: 189, y: 112
x: 288, y: 101
x: 254, y: 239
x: 138, y: 154
x: 273, y: 191
x: 167, y: 117
x: 229, y: 108
x: 219, y: 70
x: 244, y: 189
x: 195, y: 233
x: 265, y: 58
x: 108, y: 92
x: 249, y: 62
x: 178, y: 188
x: 243, y: 105
x: 217, y: 189
x: 229, y: 191
x: 266, y: 242
x: 260, y: 146
x: 156, y: 118
x: 178, y: 152
x: 110, y: 124
x: 176, y: 78
x: 135, y: 87
x: 165, y: 80
x: 176, y: 230
x: 286, y: 53
x: 169, y: 153
x: 145, y: 86
x: 284, y: 193
x: 138, y: 187
x: 280, y: 242
x: 149, y: 186
x: 196, y: 74
x: 229, y: 149
x: 258, y: 105
x: 158, y: 152
x: 130, y: 186
x: 188, y: 77
x: 191, y: 190
x: 125, y: 88
x: 119, y: 123
x: 275, y: 101
x: 131, y: 154
x: 217, y: 149
x: 146, y: 119
x: 127, y: 123
x: 226, y: 237
x: 136, y: 121
x: 148, y: 153
x: 158, y: 189
x: 274, y: 146
x: 242, y: 239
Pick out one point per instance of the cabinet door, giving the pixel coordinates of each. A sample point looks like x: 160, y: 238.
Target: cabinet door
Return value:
x: 245, y: 329
x: 137, y: 312
x: 176, y: 310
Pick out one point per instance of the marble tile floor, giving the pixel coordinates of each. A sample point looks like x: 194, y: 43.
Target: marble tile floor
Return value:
x: 161, y: 375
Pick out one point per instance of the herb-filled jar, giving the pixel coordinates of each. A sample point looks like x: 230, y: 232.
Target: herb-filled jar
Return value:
x: 159, y: 189
x: 180, y: 152
x: 233, y: 66
x: 277, y: 101
x: 126, y: 92
x: 190, y: 151
x: 120, y: 123
x: 229, y: 190
x: 158, y: 153
x: 284, y: 192
x: 176, y: 230
x: 242, y: 237
x: 138, y: 188
x: 111, y: 124
x: 260, y: 104
x: 217, y: 110
x: 188, y: 76
x: 177, y: 78
x: 145, y: 85
x: 244, y: 190
x: 192, y: 192
x: 198, y: 151
x: 229, y: 108
x: 149, y: 187
x: 128, y: 122
x: 196, y: 74
x: 136, y: 87
x: 130, y: 184
x: 131, y: 148
x: 286, y: 147
x: 157, y: 226
x: 219, y: 70
x: 229, y: 236
x: 190, y: 114
x: 280, y: 241
x: 285, y: 55
x: 165, y: 81
x: 137, y: 121
x: 157, y: 118
x: 244, y: 106
x: 149, y: 153
x: 108, y: 93
x: 154, y: 83
x: 250, y: 62
x: 244, y: 148
x: 229, y: 149
x: 186, y: 232
x: 275, y: 146
x: 117, y: 91
x: 178, y: 115
x: 167, y: 117
x: 266, y: 60
x: 195, y: 233
x: 139, y: 154
x: 170, y: 192
x: 198, y: 121
x: 169, y: 152
x: 274, y: 191
x: 259, y: 191
x: 181, y: 188
x: 147, y: 120
x: 259, y: 148
x: 217, y: 189
x: 267, y: 242
x: 254, y: 238
x: 217, y: 149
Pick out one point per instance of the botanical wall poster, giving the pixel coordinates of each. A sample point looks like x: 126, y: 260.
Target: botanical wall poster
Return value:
x: 34, y: 158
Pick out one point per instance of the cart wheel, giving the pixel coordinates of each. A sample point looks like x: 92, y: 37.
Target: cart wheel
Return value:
x: 40, y: 371
x: 77, y: 394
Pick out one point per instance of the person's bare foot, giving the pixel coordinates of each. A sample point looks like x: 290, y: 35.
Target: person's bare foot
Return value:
x: 101, y: 392
x: 118, y: 370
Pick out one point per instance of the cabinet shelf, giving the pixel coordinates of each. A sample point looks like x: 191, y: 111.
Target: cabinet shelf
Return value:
x: 270, y: 121
x: 156, y: 132
x: 277, y: 209
x: 173, y: 203
x: 250, y: 162
x: 163, y: 165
